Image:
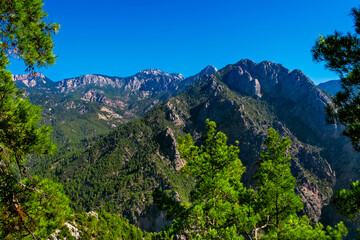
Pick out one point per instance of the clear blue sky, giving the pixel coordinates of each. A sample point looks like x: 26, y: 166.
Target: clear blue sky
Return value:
x: 122, y: 37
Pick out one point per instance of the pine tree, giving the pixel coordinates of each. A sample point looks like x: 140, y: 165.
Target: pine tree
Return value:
x: 276, y: 201
x: 275, y: 196
x: 341, y: 53
x: 25, y: 35
x: 219, y: 203
x: 222, y: 208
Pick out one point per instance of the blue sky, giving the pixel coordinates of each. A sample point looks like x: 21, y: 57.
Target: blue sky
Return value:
x: 122, y: 37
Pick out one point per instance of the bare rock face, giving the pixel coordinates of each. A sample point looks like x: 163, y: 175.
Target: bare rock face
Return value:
x: 242, y: 81
x: 171, y: 151
x: 147, y: 80
x: 93, y: 96
x: 98, y: 96
x: 173, y: 115
x: 70, y: 85
x: 276, y: 83
x: 37, y: 81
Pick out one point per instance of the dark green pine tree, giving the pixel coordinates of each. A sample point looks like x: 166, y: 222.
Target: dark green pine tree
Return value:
x: 341, y: 53
x: 275, y: 195
x: 222, y: 208
x: 218, y: 207
x: 276, y: 201
x: 29, y: 208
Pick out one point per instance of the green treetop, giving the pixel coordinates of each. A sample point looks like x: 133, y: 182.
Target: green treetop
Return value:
x: 24, y: 34
x: 275, y: 195
x: 218, y: 201
x: 276, y: 201
x: 221, y: 208
x: 217, y: 208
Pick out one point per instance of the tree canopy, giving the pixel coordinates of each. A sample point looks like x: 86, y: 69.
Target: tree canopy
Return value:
x: 221, y: 207
x: 24, y: 34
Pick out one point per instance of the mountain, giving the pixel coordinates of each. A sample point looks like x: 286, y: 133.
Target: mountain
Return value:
x: 36, y: 82
x: 119, y: 170
x: 332, y: 86
x: 89, y: 105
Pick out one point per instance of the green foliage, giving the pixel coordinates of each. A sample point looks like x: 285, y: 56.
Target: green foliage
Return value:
x: 221, y: 208
x: 341, y: 54
x: 217, y: 208
x: 118, y: 171
x: 276, y: 201
x: 20, y: 134
x: 348, y: 202
x: 32, y: 209
x: 108, y: 226
x: 295, y: 228
x: 24, y: 33
x: 275, y: 196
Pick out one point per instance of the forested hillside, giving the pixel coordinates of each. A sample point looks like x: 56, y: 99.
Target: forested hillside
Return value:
x: 245, y: 152
x: 121, y: 169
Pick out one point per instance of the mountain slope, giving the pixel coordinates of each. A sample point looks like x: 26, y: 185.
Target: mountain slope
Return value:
x: 120, y: 170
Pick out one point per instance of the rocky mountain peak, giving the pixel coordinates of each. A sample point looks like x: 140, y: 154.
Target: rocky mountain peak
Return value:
x: 31, y: 81
x: 90, y: 79
x: 278, y: 84
x: 256, y: 79
x: 152, y: 71
x: 208, y: 70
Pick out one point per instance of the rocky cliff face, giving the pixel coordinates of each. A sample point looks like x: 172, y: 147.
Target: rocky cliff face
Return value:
x: 36, y: 82
x: 147, y: 80
x: 277, y: 84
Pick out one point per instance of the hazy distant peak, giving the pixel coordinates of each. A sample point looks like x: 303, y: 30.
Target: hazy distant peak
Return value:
x: 332, y: 86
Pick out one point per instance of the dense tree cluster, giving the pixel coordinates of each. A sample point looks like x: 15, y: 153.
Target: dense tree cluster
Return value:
x: 222, y: 208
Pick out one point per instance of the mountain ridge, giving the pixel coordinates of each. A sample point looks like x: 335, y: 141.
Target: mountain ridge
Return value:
x: 99, y: 102
x: 29, y: 80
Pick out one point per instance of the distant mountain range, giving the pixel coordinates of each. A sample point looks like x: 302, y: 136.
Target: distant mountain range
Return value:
x: 117, y: 136
x: 92, y: 104
x: 332, y: 86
